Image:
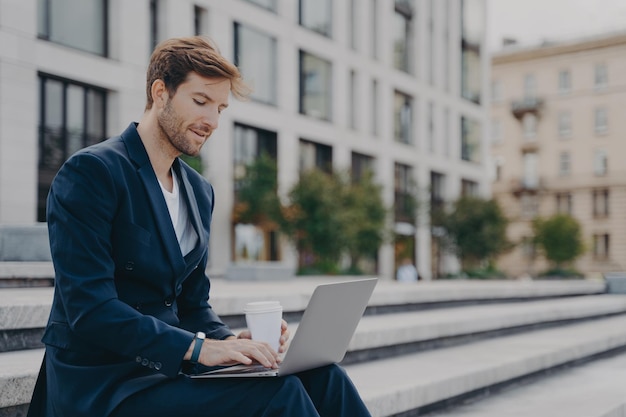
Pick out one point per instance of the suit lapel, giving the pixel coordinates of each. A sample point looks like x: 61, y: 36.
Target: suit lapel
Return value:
x: 138, y: 154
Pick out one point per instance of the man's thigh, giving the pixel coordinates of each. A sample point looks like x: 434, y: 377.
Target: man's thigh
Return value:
x: 229, y: 397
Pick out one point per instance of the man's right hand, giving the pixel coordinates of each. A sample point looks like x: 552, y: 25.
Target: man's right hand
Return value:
x: 231, y: 351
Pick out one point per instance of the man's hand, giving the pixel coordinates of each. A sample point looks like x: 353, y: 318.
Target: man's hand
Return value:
x: 233, y: 350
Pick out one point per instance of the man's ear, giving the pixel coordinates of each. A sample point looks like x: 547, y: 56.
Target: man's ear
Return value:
x: 159, y: 93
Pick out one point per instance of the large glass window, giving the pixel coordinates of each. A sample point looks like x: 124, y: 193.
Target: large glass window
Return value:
x: 361, y: 165
x: 255, y: 55
x: 600, y: 76
x: 403, y: 118
x: 564, y: 203
x: 565, y: 124
x: 600, y: 202
x: 78, y: 24
x: 257, y: 242
x: 565, y: 164
x: 472, y: 34
x: 402, y: 30
x: 601, y: 120
x: 565, y: 82
x: 470, y: 139
x: 530, y: 86
x: 403, y: 193
x: 601, y: 246
x: 315, y: 86
x: 317, y: 15
x: 200, y: 21
x: 315, y: 156
x: 600, y: 162
x: 72, y: 116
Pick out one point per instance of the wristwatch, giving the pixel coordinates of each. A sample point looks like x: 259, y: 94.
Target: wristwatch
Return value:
x: 199, y: 339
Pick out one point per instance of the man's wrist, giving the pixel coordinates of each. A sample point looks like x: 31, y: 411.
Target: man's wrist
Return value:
x: 197, y: 347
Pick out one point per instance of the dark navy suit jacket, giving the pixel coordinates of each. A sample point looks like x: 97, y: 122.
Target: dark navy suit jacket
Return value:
x: 126, y: 302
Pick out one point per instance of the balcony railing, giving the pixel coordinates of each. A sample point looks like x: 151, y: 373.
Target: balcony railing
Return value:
x: 527, y: 105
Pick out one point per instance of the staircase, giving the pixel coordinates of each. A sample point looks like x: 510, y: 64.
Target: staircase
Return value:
x: 470, y: 348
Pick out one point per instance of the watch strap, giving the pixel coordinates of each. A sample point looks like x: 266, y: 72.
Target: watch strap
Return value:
x: 197, y: 347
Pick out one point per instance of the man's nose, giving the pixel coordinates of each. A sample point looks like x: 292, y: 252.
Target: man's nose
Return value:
x: 211, y: 118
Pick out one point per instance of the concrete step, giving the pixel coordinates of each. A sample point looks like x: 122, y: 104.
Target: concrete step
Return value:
x: 595, y: 389
x: 426, y: 381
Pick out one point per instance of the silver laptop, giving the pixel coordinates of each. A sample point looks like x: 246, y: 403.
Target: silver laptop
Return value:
x: 323, y: 335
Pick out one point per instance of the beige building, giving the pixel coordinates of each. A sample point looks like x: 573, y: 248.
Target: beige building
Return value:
x: 558, y: 143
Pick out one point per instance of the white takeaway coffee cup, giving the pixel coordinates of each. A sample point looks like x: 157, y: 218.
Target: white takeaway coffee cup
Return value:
x: 264, y: 320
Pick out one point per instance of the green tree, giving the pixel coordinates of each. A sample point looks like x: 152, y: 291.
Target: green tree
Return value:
x: 559, y: 238
x: 313, y: 220
x: 364, y: 216
x: 476, y: 229
x: 257, y: 194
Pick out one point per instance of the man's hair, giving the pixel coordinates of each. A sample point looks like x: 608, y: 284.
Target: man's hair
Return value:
x: 172, y: 60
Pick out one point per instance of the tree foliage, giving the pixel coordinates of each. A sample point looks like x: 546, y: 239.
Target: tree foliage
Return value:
x: 476, y: 229
x: 559, y: 238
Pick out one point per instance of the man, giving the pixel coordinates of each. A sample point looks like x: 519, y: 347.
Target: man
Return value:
x: 129, y: 228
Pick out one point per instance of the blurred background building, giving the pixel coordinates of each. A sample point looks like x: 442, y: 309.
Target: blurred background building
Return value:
x: 558, y: 140
x: 398, y: 87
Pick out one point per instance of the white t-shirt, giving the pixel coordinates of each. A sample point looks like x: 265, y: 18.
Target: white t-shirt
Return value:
x: 185, y: 233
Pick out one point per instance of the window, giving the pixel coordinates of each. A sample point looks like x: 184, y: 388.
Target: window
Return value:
x: 565, y: 82
x: 469, y: 188
x: 72, y: 116
x: 600, y: 76
x: 565, y: 124
x: 472, y: 35
x: 374, y: 29
x: 600, y: 199
x: 446, y: 132
x: 375, y: 108
x: 530, y: 86
x: 266, y: 4
x: 531, y: 163
x: 58, y: 21
x: 601, y: 120
x: 601, y: 246
x: 255, y: 55
x: 361, y: 166
x: 252, y: 242
x: 315, y: 86
x: 402, y: 32
x: 437, y: 190
x: 564, y: 203
x: 403, y: 118
x: 530, y: 206
x: 564, y: 164
x: 600, y: 162
x: 529, y: 126
x: 315, y: 156
x: 403, y: 197
x: 156, y: 23
x: 470, y: 139
x: 317, y: 16
x: 353, y: 23
x: 200, y: 21
x: 352, y: 100
x: 431, y: 62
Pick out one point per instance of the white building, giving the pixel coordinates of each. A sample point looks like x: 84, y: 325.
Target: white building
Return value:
x: 398, y: 86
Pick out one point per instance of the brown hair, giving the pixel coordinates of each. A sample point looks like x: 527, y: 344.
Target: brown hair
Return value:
x: 172, y: 60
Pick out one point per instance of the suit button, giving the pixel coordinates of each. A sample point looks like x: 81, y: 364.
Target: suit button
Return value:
x: 168, y: 302
x: 138, y: 359
x: 157, y: 366
x: 151, y: 365
x: 145, y: 362
x: 130, y: 265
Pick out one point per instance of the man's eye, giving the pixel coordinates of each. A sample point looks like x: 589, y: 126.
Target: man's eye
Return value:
x: 199, y: 102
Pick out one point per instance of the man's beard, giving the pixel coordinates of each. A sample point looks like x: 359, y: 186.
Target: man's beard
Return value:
x: 172, y: 130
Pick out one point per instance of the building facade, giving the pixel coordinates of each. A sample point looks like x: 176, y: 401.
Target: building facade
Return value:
x: 397, y: 87
x: 558, y: 131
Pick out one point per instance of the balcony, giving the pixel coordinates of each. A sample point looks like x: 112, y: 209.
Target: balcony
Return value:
x: 526, y: 185
x: 527, y: 105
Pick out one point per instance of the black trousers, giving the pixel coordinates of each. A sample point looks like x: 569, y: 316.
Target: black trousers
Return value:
x: 321, y: 392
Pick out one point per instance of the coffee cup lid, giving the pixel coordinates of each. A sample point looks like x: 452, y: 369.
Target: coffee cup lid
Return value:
x: 262, y: 306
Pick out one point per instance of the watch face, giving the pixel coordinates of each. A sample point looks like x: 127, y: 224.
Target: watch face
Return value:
x: 200, y: 335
